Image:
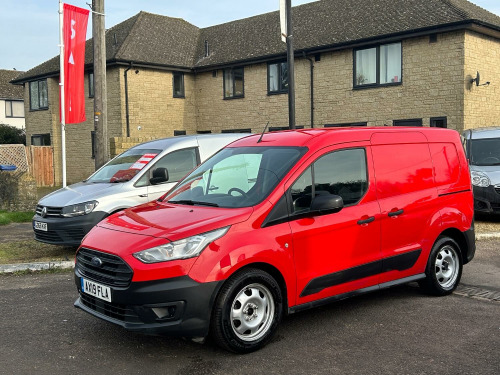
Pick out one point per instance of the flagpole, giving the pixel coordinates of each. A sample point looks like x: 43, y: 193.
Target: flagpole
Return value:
x: 61, y: 90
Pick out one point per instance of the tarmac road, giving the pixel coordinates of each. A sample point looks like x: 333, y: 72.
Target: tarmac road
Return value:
x: 395, y: 331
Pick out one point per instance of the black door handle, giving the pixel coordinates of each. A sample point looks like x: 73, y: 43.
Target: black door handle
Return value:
x: 366, y: 221
x: 395, y: 213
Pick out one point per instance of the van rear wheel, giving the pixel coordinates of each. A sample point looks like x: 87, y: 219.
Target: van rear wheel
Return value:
x: 444, y: 268
x: 247, y: 311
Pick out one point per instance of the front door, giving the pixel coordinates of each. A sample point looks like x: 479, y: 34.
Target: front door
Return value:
x: 338, y: 252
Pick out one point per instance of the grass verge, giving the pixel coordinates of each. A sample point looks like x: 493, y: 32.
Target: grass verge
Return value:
x: 49, y: 271
x: 15, y: 217
x: 33, y: 251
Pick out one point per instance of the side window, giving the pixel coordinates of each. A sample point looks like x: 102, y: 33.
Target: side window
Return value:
x: 178, y: 163
x: 342, y: 173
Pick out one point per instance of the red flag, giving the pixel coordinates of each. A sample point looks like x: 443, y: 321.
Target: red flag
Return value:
x: 74, y: 34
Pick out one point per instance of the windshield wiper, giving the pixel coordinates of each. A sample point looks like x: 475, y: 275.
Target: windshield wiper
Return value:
x: 193, y: 203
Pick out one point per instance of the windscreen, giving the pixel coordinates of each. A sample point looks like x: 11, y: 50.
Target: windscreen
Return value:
x: 485, y: 151
x: 125, y: 166
x: 236, y: 177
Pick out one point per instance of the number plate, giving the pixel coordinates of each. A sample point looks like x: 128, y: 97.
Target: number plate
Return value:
x: 40, y: 226
x: 97, y: 290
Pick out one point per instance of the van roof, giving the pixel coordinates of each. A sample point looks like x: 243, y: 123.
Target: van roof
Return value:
x: 166, y: 142
x: 309, y: 137
x: 480, y: 133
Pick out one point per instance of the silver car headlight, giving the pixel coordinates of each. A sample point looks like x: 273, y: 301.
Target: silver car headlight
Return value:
x: 479, y: 179
x: 181, y: 249
x: 79, y: 209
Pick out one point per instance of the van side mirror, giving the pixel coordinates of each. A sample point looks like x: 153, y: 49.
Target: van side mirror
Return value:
x: 160, y: 175
x: 327, y: 204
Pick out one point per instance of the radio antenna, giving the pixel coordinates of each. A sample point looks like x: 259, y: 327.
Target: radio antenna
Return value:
x: 260, y: 139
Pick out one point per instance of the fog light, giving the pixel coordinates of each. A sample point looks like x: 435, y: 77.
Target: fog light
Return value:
x: 166, y: 312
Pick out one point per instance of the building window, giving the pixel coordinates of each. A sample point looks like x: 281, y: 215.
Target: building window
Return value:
x: 14, y: 108
x: 39, y: 98
x: 277, y: 78
x: 178, y: 84
x: 347, y: 124
x: 91, y: 85
x: 246, y: 130
x: 204, y: 132
x: 40, y: 139
x: 179, y: 132
x: 233, y: 83
x: 410, y: 122
x: 439, y: 122
x: 380, y: 65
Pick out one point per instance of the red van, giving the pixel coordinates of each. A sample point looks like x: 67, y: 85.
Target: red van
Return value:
x: 279, y: 223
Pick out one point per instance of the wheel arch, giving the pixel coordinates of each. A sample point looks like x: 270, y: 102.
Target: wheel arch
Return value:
x: 271, y: 270
x: 460, y: 239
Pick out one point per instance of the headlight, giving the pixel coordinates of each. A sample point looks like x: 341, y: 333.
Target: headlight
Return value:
x: 479, y: 179
x: 182, y: 249
x: 79, y: 209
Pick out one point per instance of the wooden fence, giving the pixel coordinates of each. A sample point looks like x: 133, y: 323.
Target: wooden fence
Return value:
x: 41, y: 164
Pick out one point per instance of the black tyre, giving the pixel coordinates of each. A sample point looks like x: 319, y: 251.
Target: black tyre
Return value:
x: 247, y: 311
x: 444, y: 268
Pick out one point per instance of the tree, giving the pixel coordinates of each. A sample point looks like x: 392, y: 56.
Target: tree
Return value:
x: 11, y: 135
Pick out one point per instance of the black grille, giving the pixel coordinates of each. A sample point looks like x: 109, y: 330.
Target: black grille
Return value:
x: 497, y: 189
x: 74, y: 235
x: 113, y: 271
x: 51, y: 211
x: 49, y: 236
x: 113, y: 310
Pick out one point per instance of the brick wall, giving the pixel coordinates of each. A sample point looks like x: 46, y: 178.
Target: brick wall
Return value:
x: 152, y: 106
x: 215, y: 113
x: 431, y: 86
x: 481, y: 103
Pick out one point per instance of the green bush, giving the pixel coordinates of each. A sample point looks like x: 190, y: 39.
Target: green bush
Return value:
x: 11, y: 135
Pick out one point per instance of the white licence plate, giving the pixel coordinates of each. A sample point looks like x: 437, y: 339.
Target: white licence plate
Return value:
x: 97, y: 290
x: 41, y: 226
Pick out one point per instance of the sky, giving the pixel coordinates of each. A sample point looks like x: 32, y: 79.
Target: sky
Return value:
x: 29, y: 29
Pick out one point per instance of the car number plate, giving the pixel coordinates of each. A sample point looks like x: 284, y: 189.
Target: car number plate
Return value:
x: 97, y: 290
x: 40, y: 226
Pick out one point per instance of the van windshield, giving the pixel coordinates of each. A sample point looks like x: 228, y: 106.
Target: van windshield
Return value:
x: 125, y: 166
x: 485, y: 151
x: 236, y: 177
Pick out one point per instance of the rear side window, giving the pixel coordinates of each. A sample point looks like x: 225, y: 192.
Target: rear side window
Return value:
x: 178, y: 163
x: 341, y: 173
x: 446, y: 164
x: 402, y: 168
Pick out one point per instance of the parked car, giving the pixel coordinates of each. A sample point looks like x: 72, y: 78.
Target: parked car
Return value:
x: 482, y: 147
x: 281, y: 223
x: 136, y: 176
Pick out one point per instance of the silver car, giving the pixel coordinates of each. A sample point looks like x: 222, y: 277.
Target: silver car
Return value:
x: 139, y: 175
x: 482, y: 147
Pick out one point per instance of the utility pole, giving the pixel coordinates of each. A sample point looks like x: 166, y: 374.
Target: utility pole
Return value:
x: 100, y: 92
x: 291, y: 65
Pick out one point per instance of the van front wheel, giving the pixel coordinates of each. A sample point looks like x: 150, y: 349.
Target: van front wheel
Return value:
x: 444, y: 268
x: 247, y: 311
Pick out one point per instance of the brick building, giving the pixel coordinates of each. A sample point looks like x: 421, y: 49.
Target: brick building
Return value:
x: 11, y: 100
x: 375, y: 63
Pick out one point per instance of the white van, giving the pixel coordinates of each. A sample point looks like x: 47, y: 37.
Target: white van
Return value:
x: 139, y: 175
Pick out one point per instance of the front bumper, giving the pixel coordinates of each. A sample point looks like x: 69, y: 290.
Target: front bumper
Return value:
x: 68, y: 231
x: 486, y: 199
x: 187, y: 306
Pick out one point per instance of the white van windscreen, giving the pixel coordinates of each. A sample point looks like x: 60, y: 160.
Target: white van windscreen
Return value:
x: 125, y: 166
